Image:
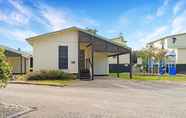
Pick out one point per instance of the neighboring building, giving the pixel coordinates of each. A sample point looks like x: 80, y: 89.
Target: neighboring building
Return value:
x: 124, y: 59
x: 178, y: 44
x: 18, y: 60
x: 72, y: 50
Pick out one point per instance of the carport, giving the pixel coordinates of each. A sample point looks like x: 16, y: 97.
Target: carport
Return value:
x: 99, y: 44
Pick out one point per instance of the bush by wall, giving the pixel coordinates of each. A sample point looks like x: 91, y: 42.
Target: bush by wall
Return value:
x: 49, y: 75
x: 5, y: 69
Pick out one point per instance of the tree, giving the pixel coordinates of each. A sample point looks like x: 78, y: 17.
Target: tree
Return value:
x: 5, y: 69
x: 149, y: 53
x: 160, y: 54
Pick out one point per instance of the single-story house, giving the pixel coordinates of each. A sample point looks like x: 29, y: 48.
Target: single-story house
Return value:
x: 175, y: 43
x: 74, y: 50
x: 18, y: 60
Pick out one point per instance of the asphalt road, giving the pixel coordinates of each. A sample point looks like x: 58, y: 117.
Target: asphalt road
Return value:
x: 101, y: 99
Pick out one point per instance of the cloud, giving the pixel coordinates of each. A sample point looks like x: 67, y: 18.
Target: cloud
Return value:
x: 16, y: 34
x: 161, y: 10
x: 179, y: 6
x: 51, y: 18
x: 58, y: 18
x: 3, y: 17
x: 18, y: 16
x: 179, y: 23
x: 157, y: 33
x: 20, y: 7
x: 150, y: 17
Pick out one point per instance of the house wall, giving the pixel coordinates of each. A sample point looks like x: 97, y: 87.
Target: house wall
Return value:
x: 101, y: 66
x: 45, y: 51
x: 123, y: 59
x: 180, y: 42
x: 15, y: 63
x: 181, y: 56
x: 158, y: 44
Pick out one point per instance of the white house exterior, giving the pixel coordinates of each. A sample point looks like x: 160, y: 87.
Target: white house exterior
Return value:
x: 18, y: 60
x: 73, y: 49
x: 125, y: 58
x: 178, y: 44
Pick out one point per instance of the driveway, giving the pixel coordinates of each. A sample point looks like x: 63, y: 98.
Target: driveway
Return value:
x: 101, y: 98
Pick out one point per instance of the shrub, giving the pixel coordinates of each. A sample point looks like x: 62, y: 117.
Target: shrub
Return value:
x: 5, y: 70
x: 49, y: 75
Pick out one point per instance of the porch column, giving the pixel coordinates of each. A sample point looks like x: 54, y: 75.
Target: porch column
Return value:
x: 78, y: 74
x: 118, y: 66
x: 92, y: 53
x: 130, y: 64
x: 25, y: 64
x: 21, y: 68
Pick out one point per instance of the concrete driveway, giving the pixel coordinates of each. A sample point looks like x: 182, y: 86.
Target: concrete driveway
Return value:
x: 101, y: 98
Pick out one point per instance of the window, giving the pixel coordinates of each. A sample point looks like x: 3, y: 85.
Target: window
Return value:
x: 162, y: 44
x: 63, y: 57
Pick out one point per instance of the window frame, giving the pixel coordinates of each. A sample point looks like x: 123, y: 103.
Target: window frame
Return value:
x: 63, y: 57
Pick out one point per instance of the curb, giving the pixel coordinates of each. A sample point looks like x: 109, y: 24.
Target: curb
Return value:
x: 30, y: 83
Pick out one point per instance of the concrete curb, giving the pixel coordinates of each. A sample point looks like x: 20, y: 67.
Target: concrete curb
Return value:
x: 32, y: 83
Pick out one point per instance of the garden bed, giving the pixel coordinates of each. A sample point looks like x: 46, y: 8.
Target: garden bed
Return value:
x: 45, y: 77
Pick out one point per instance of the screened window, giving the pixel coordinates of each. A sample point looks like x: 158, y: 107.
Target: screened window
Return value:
x: 63, y: 57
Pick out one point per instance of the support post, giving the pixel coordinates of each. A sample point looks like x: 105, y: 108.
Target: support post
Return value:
x: 131, y: 64
x: 92, y: 53
x: 21, y: 68
x: 118, y: 66
x: 78, y: 74
x: 25, y: 64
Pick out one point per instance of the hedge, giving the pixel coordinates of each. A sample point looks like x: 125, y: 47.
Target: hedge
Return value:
x: 49, y: 75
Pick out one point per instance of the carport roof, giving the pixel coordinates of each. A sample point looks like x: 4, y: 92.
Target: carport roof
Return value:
x: 14, y: 52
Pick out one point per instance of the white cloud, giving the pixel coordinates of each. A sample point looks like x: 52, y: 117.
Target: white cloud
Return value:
x: 179, y: 6
x: 15, y: 34
x: 58, y: 18
x: 3, y: 16
x: 157, y: 33
x: 20, y: 15
x: 179, y: 23
x: 20, y: 7
x: 150, y: 17
x: 162, y: 9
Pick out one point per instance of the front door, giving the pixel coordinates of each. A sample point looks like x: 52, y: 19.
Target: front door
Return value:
x: 82, y: 59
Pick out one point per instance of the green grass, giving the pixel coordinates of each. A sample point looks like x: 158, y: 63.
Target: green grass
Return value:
x: 143, y: 77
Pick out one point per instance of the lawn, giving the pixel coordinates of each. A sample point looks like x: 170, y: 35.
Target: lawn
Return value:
x: 178, y: 77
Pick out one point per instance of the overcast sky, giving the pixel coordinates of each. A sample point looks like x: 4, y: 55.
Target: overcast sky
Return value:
x: 140, y: 21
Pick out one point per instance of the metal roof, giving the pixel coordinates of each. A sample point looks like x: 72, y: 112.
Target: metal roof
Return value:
x: 167, y: 37
x: 24, y: 54
x: 78, y: 29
